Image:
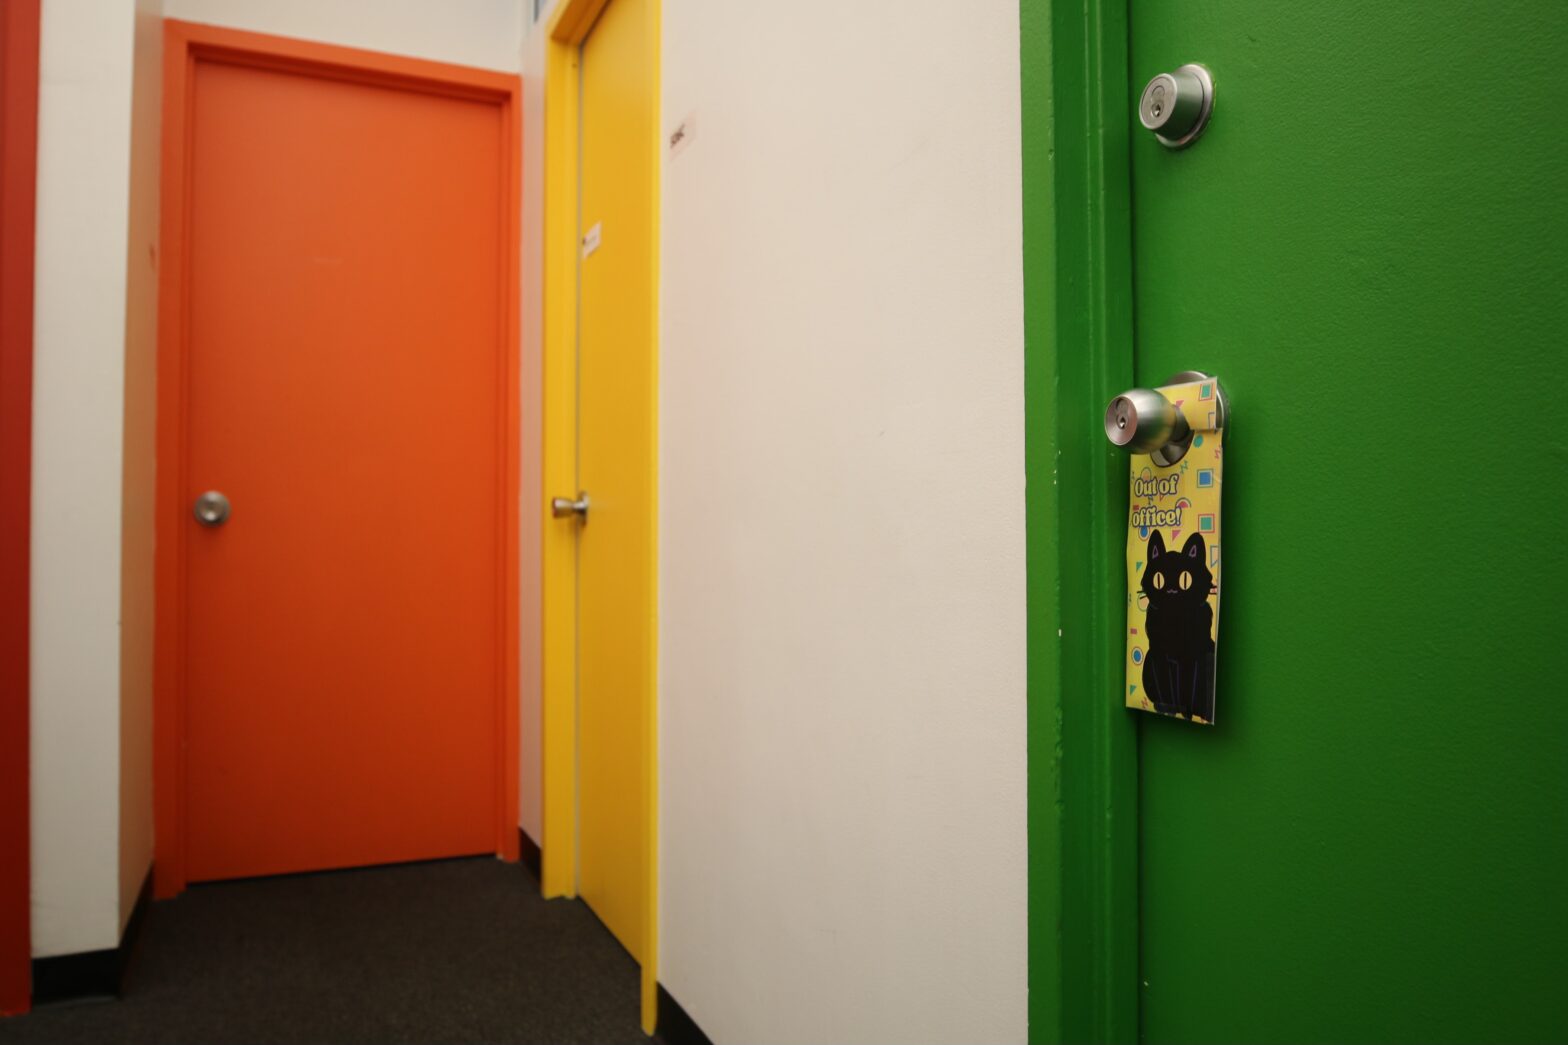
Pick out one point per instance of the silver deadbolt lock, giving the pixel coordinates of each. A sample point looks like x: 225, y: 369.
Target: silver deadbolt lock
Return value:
x: 1176, y: 106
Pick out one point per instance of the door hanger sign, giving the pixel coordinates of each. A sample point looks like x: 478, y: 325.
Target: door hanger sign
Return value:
x: 1173, y: 542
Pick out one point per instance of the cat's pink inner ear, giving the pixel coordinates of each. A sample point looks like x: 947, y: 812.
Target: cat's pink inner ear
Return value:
x: 1192, y: 552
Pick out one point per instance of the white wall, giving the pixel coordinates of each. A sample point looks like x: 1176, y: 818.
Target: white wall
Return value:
x: 485, y: 33
x: 84, y: 132
x: 842, y: 615
x: 531, y: 405
x: 139, y: 459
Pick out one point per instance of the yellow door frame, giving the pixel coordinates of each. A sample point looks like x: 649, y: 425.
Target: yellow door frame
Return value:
x: 568, y: 28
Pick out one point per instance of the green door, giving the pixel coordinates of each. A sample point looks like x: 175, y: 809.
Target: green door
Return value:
x: 1369, y: 246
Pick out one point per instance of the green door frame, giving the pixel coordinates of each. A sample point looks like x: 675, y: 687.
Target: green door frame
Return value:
x: 1078, y: 329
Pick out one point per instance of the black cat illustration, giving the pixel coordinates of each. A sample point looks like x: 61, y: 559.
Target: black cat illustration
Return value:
x: 1178, y: 670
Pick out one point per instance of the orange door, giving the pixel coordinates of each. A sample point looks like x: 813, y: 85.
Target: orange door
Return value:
x: 346, y: 343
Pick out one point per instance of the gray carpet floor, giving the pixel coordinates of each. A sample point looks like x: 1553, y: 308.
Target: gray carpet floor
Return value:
x: 453, y: 951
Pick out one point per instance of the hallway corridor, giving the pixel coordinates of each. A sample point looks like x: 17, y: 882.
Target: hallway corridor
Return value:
x: 452, y: 951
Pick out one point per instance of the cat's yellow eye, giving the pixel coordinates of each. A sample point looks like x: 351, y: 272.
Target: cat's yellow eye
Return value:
x: 1185, y: 580
x: 1159, y: 580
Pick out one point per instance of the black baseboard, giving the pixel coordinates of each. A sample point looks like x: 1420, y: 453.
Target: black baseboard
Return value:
x: 92, y: 974
x: 529, y: 851
x: 675, y: 1027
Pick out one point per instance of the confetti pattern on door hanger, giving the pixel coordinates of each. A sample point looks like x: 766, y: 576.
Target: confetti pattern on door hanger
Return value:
x: 1173, y: 566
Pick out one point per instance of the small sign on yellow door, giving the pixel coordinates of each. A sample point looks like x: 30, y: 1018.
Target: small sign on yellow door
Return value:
x: 1173, y: 565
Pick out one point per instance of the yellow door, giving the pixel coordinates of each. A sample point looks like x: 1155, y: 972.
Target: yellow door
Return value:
x: 615, y: 462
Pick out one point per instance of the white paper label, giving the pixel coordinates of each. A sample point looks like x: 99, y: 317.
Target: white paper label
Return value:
x: 591, y: 241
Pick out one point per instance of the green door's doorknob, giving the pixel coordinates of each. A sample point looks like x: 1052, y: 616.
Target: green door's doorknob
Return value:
x: 1143, y: 421
x: 1176, y: 105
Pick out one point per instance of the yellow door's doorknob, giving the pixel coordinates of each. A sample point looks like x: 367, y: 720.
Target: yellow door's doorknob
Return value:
x: 564, y: 507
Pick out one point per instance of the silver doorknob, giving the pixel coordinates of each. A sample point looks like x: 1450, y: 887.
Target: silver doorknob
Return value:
x: 1176, y: 106
x: 561, y: 507
x: 1143, y: 421
x: 211, y: 509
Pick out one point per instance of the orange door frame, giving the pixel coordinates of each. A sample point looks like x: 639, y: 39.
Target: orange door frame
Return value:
x: 18, y: 179
x: 185, y: 44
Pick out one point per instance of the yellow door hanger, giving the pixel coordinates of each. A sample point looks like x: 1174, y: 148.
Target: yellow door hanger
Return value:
x: 1173, y: 557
